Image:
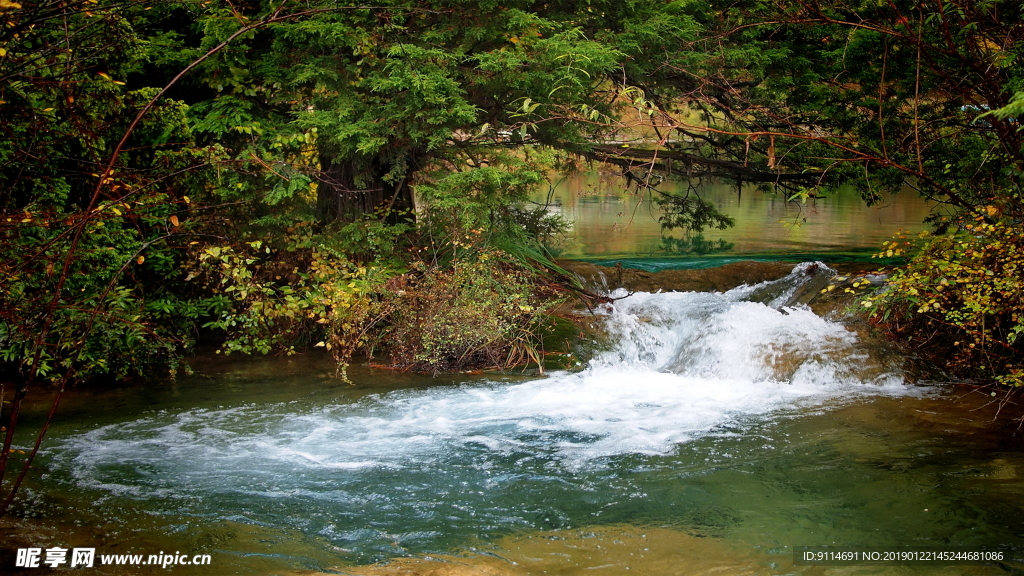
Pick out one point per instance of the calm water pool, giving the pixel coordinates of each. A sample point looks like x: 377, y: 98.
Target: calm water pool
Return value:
x: 609, y: 222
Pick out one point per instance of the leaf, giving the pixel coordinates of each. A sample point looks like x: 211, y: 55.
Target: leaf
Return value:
x: 104, y: 75
x: 140, y: 259
x: 174, y: 220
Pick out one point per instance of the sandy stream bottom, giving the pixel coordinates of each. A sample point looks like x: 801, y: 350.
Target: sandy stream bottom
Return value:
x: 655, y: 551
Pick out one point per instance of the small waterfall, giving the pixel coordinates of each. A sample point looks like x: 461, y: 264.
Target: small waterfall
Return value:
x: 750, y: 335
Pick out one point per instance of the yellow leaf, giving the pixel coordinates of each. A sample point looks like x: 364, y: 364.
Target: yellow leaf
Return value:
x: 103, y: 75
x: 319, y: 344
x: 186, y: 199
x: 140, y: 259
x: 174, y: 220
x: 3, y: 52
x: 514, y: 40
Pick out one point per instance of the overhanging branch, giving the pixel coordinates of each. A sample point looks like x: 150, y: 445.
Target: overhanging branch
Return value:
x: 693, y: 165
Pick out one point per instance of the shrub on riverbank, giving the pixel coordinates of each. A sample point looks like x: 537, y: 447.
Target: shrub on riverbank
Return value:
x: 960, y: 299
x: 478, y: 311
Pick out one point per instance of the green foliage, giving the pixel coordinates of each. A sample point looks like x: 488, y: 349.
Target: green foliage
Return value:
x: 118, y: 314
x: 90, y: 279
x: 304, y: 137
x: 276, y: 301
x: 1012, y: 111
x: 960, y: 299
x: 887, y: 96
x: 538, y: 225
x: 468, y: 198
x: 471, y: 313
x: 308, y: 137
x: 883, y: 95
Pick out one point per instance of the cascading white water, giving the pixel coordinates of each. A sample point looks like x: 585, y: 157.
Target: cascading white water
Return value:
x: 683, y: 365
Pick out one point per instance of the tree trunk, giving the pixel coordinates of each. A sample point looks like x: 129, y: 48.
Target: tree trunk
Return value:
x: 352, y: 188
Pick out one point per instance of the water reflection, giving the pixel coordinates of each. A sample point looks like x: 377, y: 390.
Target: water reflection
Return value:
x: 695, y: 245
x: 608, y: 220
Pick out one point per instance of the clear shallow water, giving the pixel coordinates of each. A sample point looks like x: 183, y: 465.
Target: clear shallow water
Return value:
x: 728, y: 418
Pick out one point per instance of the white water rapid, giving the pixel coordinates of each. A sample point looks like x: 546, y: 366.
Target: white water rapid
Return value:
x: 682, y: 365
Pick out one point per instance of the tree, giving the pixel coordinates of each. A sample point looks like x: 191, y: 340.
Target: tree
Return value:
x: 403, y: 87
x: 94, y: 175
x: 889, y: 95
x: 883, y: 95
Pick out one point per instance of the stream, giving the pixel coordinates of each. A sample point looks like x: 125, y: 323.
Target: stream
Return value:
x: 715, y: 433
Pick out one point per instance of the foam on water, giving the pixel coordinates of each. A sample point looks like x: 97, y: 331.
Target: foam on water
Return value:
x: 684, y: 364
x: 486, y: 455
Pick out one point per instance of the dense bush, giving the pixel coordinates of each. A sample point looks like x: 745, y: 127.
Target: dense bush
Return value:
x: 476, y: 311
x: 960, y: 299
x: 479, y: 313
